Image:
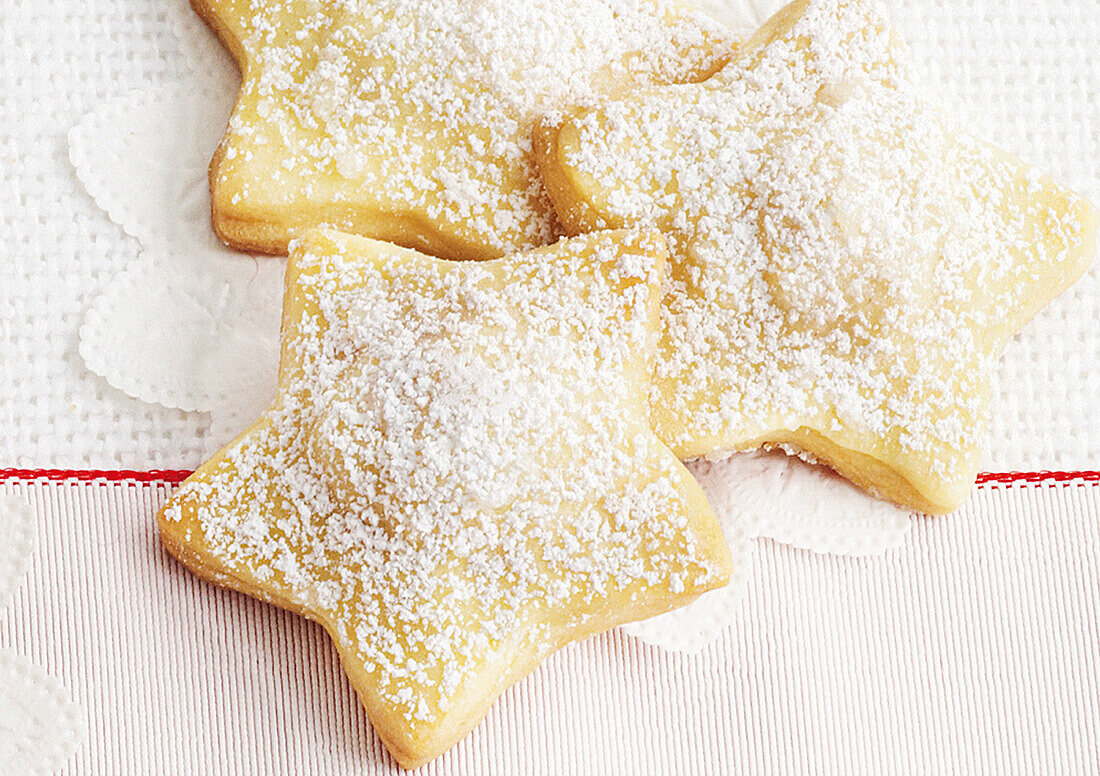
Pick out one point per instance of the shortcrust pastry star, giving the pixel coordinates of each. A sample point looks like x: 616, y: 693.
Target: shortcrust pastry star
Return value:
x: 845, y: 266
x: 410, y: 120
x: 458, y: 475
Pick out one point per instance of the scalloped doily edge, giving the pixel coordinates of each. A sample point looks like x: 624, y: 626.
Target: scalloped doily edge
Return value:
x: 43, y: 705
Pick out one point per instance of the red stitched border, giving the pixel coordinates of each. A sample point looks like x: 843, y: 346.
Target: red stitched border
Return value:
x: 176, y: 476
x: 169, y: 476
x: 1035, y: 478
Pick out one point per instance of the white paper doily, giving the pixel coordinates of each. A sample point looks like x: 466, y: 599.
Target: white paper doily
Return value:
x: 189, y: 324
x: 769, y: 495
x: 1027, y: 71
x: 40, y: 726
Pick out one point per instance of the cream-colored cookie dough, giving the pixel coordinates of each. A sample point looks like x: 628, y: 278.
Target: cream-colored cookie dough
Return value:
x: 458, y: 475
x: 410, y: 121
x: 845, y: 266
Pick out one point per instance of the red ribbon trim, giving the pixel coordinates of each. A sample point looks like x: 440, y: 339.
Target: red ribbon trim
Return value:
x: 176, y: 476
x: 1037, y: 478
x: 168, y: 476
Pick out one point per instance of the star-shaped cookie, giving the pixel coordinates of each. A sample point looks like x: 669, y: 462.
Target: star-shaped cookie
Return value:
x: 845, y: 266
x: 410, y: 120
x: 458, y: 475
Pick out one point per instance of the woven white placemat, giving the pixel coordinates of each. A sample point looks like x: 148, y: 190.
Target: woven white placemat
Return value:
x: 1025, y: 72
x: 58, y: 59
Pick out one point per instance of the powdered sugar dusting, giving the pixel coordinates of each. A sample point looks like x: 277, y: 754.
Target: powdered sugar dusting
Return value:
x: 844, y: 260
x: 459, y: 470
x: 424, y: 108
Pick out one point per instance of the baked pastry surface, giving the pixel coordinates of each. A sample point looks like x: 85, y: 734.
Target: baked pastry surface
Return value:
x: 410, y: 120
x: 845, y: 265
x: 458, y: 475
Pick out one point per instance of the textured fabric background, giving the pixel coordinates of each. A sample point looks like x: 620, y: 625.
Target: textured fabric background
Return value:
x: 1025, y: 72
x: 973, y: 649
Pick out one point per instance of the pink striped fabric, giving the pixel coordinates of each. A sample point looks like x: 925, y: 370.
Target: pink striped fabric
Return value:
x: 972, y: 649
